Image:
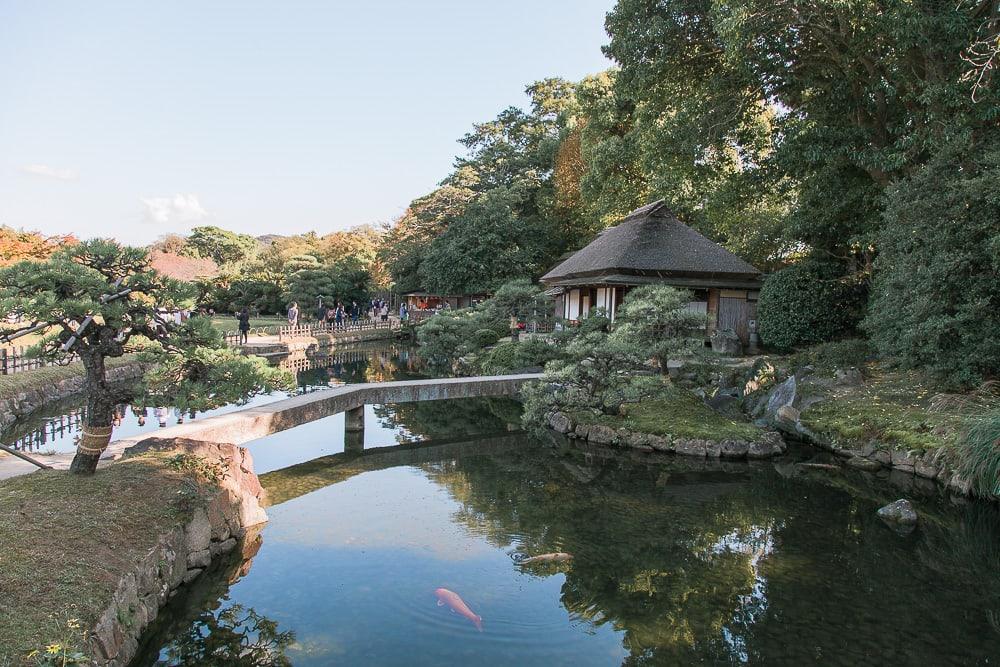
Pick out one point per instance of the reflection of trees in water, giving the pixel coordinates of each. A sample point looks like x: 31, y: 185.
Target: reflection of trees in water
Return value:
x: 372, y: 363
x: 676, y: 555
x: 435, y: 420
x: 198, y: 627
x: 235, y: 636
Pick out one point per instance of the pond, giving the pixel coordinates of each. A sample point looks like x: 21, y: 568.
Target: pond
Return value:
x: 674, y: 560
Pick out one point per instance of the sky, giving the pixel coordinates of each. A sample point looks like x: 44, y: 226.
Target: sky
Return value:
x: 136, y: 119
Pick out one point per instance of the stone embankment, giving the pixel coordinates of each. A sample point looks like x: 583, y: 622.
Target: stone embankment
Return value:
x: 44, y: 392
x: 783, y: 410
x: 768, y: 445
x: 227, y: 518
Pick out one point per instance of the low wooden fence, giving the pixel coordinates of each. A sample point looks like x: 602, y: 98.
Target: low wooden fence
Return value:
x: 312, y: 329
x: 53, y: 429
x: 348, y: 326
x: 15, y: 360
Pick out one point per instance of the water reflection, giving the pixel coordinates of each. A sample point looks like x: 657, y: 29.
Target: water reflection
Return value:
x: 54, y: 429
x: 675, y: 560
x: 231, y: 636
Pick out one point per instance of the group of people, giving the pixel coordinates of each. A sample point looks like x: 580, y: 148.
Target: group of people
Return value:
x: 335, y: 317
x: 338, y: 315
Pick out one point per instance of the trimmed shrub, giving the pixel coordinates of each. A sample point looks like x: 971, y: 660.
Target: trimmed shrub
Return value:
x: 839, y: 354
x: 484, y: 338
x: 808, y: 303
x: 448, y: 335
x: 509, y: 356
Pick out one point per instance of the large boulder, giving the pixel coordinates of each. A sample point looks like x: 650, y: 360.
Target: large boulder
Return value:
x: 242, y: 498
x: 727, y: 343
x: 785, y: 394
x: 899, y: 514
x: 560, y: 422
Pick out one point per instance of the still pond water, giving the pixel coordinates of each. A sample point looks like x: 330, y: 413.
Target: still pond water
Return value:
x: 675, y: 561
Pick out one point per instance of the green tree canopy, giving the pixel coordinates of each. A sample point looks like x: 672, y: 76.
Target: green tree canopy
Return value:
x: 100, y: 300
x: 936, y: 301
x: 220, y: 245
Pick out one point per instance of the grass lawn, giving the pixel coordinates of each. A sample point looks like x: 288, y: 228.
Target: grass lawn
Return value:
x: 675, y: 412
x: 229, y: 323
x: 11, y: 385
x: 892, y: 407
x: 67, y: 539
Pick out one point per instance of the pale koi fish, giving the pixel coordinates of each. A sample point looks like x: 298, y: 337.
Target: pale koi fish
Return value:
x: 457, y: 605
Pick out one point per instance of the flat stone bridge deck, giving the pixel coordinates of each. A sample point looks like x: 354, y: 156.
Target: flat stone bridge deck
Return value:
x: 242, y: 426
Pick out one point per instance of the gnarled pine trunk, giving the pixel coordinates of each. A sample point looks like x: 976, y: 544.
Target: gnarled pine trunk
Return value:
x: 100, y: 412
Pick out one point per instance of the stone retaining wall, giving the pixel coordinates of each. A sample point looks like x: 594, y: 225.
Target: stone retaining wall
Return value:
x: 770, y: 443
x: 29, y: 400
x: 872, y: 458
x: 229, y: 517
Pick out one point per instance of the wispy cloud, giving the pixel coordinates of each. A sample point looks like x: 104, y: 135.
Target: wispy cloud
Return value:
x: 178, y: 208
x: 50, y: 172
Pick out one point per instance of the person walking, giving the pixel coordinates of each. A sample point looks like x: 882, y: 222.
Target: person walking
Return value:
x: 385, y: 311
x: 403, y: 314
x: 340, y: 315
x: 293, y: 314
x: 244, y: 325
x: 320, y: 312
x: 331, y: 313
x: 355, y: 312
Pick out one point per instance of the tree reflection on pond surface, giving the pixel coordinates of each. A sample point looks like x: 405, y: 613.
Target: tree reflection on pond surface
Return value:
x: 675, y: 560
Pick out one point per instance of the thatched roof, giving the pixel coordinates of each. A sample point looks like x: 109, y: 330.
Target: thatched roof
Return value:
x: 651, y: 241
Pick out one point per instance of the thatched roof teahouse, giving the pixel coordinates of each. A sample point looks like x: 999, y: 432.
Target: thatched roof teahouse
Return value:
x: 651, y: 246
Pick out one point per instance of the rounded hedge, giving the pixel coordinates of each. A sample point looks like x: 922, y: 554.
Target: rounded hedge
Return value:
x: 808, y: 303
x: 484, y: 338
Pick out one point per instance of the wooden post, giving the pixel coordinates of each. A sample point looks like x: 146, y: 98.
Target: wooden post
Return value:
x: 3, y: 361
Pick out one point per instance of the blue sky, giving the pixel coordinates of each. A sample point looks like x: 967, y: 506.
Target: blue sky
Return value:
x: 134, y: 119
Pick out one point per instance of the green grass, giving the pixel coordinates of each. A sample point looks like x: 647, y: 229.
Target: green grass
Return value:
x: 66, y: 539
x: 229, y: 323
x: 675, y: 412
x: 891, y: 407
x: 979, y: 453
x: 11, y: 385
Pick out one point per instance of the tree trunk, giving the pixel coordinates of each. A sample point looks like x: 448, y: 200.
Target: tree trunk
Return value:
x: 100, y: 412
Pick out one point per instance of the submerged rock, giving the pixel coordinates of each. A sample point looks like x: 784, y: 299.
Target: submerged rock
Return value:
x: 861, y: 463
x: 899, y: 513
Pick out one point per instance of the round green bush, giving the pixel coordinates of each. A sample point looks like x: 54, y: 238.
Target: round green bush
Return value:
x: 808, y: 303
x: 484, y: 338
x: 501, y: 358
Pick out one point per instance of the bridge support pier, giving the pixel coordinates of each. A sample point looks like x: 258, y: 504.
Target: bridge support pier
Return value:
x: 354, y: 430
x: 354, y: 419
x: 354, y: 442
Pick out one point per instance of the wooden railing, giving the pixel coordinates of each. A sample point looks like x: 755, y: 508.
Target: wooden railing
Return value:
x: 348, y: 326
x: 53, y: 429
x: 15, y: 360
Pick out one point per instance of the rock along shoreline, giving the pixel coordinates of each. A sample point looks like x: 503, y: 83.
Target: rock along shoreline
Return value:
x: 769, y: 445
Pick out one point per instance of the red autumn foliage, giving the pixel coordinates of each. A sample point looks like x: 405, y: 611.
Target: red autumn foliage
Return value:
x: 181, y: 267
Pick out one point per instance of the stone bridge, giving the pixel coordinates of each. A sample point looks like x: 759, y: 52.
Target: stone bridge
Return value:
x: 242, y: 426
